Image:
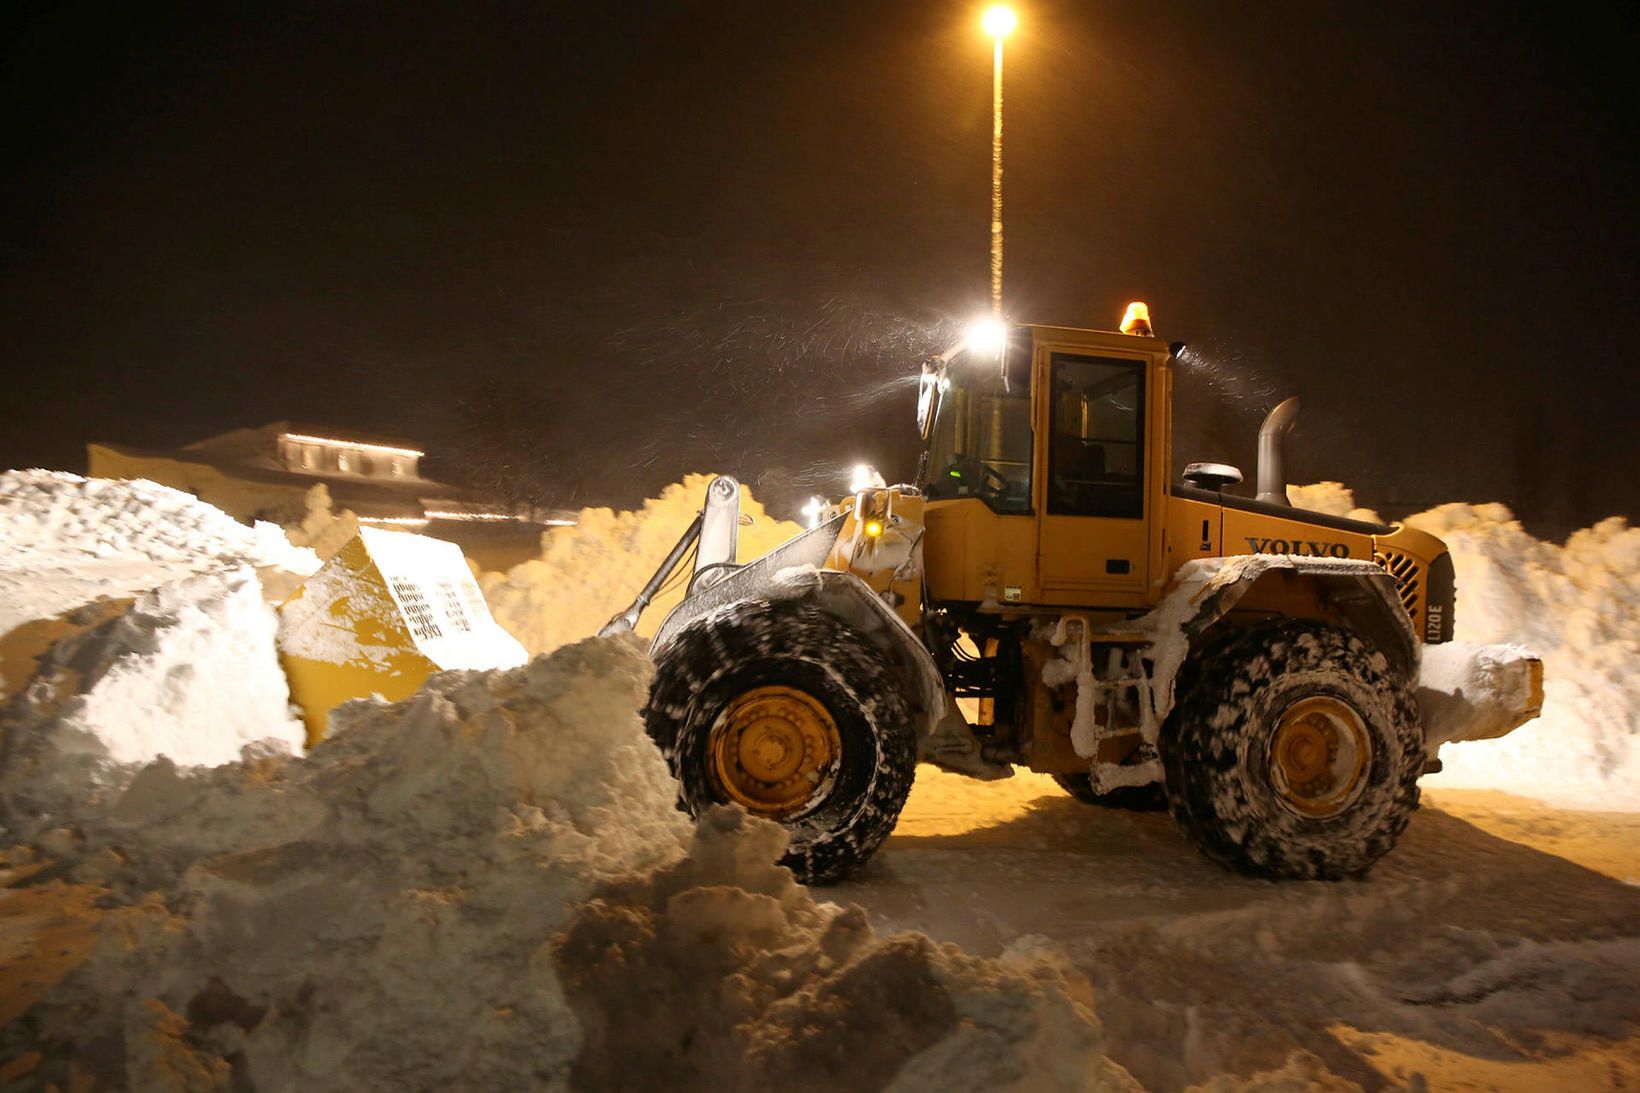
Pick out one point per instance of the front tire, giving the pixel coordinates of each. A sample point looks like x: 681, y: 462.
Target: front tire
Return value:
x: 1294, y: 752
x: 784, y: 710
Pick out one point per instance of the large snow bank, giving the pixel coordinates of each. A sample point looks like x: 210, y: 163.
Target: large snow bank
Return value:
x: 589, y: 572
x: 67, y: 542
x: 132, y: 625
x: 1577, y: 606
x: 1333, y: 498
x: 51, y: 517
x: 407, y: 907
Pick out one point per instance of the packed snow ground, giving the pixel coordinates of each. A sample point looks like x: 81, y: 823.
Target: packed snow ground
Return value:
x: 1468, y: 959
x: 487, y: 884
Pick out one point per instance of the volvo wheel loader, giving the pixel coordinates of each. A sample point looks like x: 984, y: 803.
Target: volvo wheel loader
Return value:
x: 1044, y: 595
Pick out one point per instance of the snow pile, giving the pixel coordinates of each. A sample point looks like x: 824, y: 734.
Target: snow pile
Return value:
x: 408, y: 907
x: 51, y: 517
x: 1578, y: 607
x: 746, y: 983
x: 1332, y: 498
x: 132, y: 625
x: 322, y: 529
x: 188, y: 672
x: 67, y: 542
x: 589, y: 572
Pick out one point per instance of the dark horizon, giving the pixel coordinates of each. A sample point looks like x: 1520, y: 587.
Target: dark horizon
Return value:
x: 720, y: 237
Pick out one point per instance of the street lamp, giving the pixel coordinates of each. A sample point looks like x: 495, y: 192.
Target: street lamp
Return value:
x: 999, y: 21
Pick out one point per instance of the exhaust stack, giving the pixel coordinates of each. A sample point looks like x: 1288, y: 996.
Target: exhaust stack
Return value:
x: 1272, y: 475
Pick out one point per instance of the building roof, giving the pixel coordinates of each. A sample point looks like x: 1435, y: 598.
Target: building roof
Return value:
x: 367, y: 496
x: 266, y: 436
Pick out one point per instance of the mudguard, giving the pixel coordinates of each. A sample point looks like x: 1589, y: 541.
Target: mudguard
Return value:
x: 791, y: 572
x: 1464, y: 691
x: 1206, y: 590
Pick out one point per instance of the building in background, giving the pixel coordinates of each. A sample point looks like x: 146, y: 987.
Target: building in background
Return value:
x: 267, y: 473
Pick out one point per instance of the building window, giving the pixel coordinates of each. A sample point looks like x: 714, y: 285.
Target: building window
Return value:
x: 344, y: 461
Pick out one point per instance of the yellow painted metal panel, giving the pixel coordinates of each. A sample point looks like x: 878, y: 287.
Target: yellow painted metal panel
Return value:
x: 349, y: 633
x: 1257, y: 533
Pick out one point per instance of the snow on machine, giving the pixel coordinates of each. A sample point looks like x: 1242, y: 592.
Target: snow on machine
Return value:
x: 1043, y: 595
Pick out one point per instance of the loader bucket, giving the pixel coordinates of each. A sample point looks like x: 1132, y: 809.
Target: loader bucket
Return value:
x: 1477, y: 692
x: 752, y: 579
x: 380, y: 617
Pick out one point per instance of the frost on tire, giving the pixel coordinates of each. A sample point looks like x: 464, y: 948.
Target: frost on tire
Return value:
x: 1294, y: 751
x: 782, y: 709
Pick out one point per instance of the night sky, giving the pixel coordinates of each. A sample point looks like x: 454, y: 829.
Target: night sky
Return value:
x: 660, y: 238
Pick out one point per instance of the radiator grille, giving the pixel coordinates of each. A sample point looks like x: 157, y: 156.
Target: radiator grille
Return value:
x: 1408, y: 577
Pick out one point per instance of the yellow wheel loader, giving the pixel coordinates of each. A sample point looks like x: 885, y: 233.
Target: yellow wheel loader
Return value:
x: 1044, y: 595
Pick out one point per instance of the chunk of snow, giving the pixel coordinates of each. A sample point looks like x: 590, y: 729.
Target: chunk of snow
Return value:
x: 188, y: 672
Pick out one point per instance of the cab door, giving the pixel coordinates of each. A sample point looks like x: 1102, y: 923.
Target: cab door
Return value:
x: 1094, y: 498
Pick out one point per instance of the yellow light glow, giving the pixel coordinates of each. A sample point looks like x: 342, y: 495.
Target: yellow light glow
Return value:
x: 999, y: 20
x: 865, y: 477
x: 812, y: 511
x: 394, y: 521
x: 449, y: 514
x: 304, y: 438
x: 1137, y: 320
x: 874, y: 528
x: 987, y: 337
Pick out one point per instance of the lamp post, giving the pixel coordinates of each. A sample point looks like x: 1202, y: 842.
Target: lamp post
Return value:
x: 999, y: 21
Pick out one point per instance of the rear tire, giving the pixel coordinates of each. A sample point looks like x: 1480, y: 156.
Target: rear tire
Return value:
x: 1151, y: 798
x: 791, y: 680
x: 1294, y: 752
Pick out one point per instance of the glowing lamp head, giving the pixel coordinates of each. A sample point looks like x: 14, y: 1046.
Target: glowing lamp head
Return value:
x: 987, y: 337
x: 873, y: 529
x: 999, y: 20
x: 865, y: 477
x: 812, y: 510
x: 1137, y: 321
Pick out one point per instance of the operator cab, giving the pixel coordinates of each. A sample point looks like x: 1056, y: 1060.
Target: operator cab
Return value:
x: 976, y: 411
x: 1060, y: 436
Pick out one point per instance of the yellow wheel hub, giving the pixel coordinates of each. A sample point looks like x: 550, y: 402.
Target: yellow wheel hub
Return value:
x: 772, y: 749
x: 1319, y: 756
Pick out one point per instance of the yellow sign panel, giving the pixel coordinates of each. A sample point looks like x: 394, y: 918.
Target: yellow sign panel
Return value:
x: 386, y: 612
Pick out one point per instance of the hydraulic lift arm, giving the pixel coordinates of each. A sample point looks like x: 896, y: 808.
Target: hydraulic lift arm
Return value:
x: 716, y: 527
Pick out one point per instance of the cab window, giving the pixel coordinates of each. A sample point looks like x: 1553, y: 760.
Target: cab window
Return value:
x: 1096, y: 446
x: 980, y: 445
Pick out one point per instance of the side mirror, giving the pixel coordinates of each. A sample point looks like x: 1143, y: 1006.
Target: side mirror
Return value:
x: 928, y: 394
x: 1212, y: 476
